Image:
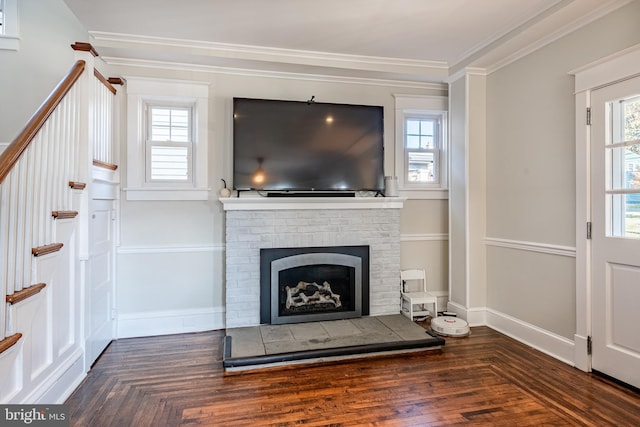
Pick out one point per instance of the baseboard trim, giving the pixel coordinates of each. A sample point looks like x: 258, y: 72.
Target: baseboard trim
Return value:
x: 59, y: 385
x: 474, y: 316
x: 542, y: 340
x: 170, y: 322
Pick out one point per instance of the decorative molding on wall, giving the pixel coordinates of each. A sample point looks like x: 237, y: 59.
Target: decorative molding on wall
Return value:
x: 424, y: 237
x: 309, y: 203
x: 159, y: 249
x: 554, y: 345
x: 531, y: 246
x: 597, y: 13
x: 59, y: 385
x: 547, y: 342
x: 171, y: 65
x: 242, y: 59
x: 170, y: 322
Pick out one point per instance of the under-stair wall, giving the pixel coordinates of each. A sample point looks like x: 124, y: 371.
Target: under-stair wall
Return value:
x: 46, y: 187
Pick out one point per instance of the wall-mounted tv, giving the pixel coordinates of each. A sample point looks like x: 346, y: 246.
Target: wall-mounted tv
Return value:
x: 307, y: 146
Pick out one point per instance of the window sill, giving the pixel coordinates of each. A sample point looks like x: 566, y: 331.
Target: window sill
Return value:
x: 425, y: 194
x: 9, y: 43
x: 167, y: 193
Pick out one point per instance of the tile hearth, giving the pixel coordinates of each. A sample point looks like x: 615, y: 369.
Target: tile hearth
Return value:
x: 277, y: 345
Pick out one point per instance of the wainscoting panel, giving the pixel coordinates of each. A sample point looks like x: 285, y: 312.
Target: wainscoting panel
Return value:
x: 169, y: 289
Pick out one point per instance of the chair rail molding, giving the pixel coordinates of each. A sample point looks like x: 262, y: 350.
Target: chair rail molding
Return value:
x: 546, y: 248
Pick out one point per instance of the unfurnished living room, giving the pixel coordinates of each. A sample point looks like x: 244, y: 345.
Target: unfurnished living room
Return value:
x: 325, y: 213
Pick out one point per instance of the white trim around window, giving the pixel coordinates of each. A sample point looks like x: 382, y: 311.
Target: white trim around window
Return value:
x: 431, y: 108
x: 143, y: 92
x: 9, y: 36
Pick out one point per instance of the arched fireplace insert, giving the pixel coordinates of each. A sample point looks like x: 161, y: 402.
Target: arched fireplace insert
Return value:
x: 312, y: 284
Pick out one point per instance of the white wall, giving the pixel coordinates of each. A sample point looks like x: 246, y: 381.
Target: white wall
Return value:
x: 424, y: 240
x: 27, y: 77
x: 458, y: 292
x: 171, y: 258
x: 467, y: 200
x: 531, y: 174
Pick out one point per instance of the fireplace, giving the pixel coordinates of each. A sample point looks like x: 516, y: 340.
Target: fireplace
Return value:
x: 313, y: 283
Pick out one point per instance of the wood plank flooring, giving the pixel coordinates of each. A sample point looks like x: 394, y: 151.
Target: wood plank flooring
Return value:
x: 484, y: 379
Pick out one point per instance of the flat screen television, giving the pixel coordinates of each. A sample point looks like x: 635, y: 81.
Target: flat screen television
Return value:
x: 308, y: 146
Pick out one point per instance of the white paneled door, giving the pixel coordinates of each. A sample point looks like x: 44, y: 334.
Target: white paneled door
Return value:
x: 615, y: 205
x: 100, y: 288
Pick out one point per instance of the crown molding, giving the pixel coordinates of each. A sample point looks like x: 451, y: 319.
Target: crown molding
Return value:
x: 169, y: 65
x: 270, y: 54
x: 467, y: 71
x: 539, y: 43
x: 499, y: 38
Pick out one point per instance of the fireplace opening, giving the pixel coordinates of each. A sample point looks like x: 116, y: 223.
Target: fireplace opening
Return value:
x: 310, y: 284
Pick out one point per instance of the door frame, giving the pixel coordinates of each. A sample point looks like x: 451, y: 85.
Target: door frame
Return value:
x: 607, y: 71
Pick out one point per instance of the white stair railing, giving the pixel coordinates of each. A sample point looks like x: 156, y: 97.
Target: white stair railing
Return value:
x: 35, y: 171
x: 103, y: 147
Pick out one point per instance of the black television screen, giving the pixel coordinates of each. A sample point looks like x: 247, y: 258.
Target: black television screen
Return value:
x: 307, y: 146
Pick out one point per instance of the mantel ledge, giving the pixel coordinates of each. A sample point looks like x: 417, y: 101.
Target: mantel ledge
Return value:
x: 310, y: 203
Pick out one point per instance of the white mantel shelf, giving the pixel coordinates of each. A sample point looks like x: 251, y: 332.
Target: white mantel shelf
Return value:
x: 310, y: 203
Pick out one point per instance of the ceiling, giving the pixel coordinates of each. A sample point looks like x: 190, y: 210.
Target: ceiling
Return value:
x: 401, y: 40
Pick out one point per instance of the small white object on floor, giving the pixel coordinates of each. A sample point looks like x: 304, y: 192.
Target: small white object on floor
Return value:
x: 450, y: 326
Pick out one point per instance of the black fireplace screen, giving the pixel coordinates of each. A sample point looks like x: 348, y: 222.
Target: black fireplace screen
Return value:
x: 317, y: 288
x: 315, y: 283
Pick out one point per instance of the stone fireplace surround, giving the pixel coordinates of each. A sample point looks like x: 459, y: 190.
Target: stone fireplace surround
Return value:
x: 253, y: 223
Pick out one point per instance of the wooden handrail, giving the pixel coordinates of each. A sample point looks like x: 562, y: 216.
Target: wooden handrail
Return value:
x: 8, y: 342
x: 104, y: 165
x: 104, y: 81
x: 12, y: 153
x: 64, y: 214
x: 46, y: 249
x: 25, y: 293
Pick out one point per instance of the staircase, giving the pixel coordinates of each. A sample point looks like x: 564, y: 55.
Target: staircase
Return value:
x: 46, y: 186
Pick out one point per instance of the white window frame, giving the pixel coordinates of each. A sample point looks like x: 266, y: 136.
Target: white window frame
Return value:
x: 150, y: 143
x: 9, y: 36
x: 142, y: 92
x: 415, y: 106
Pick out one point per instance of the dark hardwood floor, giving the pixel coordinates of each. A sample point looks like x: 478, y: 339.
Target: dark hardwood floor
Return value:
x: 484, y: 379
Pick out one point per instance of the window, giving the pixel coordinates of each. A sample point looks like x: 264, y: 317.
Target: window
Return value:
x: 624, y: 167
x: 9, y: 25
x: 169, y: 143
x: 166, y: 140
x: 421, y: 143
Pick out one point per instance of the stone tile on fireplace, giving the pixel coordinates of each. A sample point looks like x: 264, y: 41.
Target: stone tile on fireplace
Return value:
x: 308, y: 331
x: 341, y: 328
x: 277, y: 345
x: 248, y: 340
x: 249, y: 231
x: 274, y: 333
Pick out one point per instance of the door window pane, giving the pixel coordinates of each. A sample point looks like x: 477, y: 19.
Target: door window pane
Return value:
x: 623, y: 163
x: 631, y: 121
